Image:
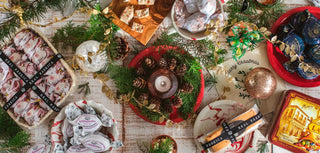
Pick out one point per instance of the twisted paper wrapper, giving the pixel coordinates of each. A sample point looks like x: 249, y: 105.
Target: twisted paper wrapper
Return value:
x: 242, y: 37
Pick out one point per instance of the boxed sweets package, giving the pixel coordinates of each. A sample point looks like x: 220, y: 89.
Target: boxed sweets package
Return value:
x: 232, y: 130
x: 34, y: 79
x: 297, y: 125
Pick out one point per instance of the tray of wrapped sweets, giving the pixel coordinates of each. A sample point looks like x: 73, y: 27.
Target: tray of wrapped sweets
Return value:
x: 34, y: 78
x: 297, y: 62
x: 191, y: 18
x: 84, y: 126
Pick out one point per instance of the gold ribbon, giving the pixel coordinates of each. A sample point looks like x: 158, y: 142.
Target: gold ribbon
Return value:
x: 19, y: 11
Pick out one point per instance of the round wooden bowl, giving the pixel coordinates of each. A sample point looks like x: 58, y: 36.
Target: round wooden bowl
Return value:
x: 161, y: 137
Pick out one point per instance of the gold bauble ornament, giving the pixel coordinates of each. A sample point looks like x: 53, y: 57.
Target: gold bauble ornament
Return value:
x: 260, y: 83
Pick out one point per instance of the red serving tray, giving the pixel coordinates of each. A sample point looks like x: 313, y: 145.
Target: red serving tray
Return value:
x: 289, y: 128
x: 276, y: 57
x: 156, y: 53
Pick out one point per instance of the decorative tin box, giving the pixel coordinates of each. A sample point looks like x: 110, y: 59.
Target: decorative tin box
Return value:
x: 297, y: 125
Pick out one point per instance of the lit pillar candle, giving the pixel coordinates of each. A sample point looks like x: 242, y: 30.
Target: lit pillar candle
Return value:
x: 163, y: 84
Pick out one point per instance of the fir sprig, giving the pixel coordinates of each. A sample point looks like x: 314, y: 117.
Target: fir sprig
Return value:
x: 263, y: 147
x: 98, y: 27
x: 15, y: 143
x: 85, y: 88
x: 70, y: 35
x: 262, y: 18
x: 192, y: 76
x: 33, y: 11
x: 12, y: 136
x: 210, y: 82
x: 123, y: 78
x: 206, y: 51
x: 164, y: 146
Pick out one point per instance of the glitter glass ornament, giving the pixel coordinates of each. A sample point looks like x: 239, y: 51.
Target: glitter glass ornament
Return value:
x: 260, y: 83
x: 89, y: 57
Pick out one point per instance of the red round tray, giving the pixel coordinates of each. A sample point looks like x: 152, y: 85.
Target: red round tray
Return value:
x: 276, y: 57
x: 156, y: 53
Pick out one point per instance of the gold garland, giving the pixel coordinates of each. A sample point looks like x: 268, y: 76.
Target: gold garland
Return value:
x: 50, y: 23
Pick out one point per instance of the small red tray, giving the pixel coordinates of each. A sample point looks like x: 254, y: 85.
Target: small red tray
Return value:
x: 156, y: 53
x: 276, y: 57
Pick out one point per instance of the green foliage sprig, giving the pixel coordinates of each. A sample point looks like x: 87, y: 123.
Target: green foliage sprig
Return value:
x: 205, y: 51
x: 85, y: 88
x: 14, y: 138
x: 164, y: 146
x: 263, y: 147
x: 32, y: 11
x: 252, y: 14
x: 192, y: 76
x: 98, y: 27
x: 123, y: 78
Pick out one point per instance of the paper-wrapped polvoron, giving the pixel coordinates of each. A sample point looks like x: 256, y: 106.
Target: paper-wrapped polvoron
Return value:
x: 230, y: 131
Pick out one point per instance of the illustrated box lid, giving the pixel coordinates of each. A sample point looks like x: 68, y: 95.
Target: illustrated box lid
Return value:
x: 297, y: 126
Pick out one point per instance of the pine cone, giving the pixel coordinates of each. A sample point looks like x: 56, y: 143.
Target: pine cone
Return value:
x: 181, y: 70
x: 143, y: 97
x: 167, y: 107
x: 139, y: 83
x: 187, y: 88
x: 156, y: 103
x: 172, y: 64
x: 163, y: 63
x: 140, y: 71
x: 123, y: 48
x: 177, y: 102
x: 150, y: 63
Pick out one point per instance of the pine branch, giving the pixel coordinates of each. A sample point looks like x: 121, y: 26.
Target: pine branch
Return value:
x: 164, y: 146
x: 94, y: 29
x: 263, y: 147
x: 210, y: 82
x: 13, y: 136
x: 206, y: 51
x: 85, y: 88
x: 32, y: 12
x: 264, y: 19
x: 123, y: 78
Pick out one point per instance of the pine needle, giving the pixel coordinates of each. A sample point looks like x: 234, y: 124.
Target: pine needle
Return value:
x: 205, y: 51
x: 32, y: 12
x: 85, y: 89
x: 165, y: 146
x: 264, y: 19
x: 14, y: 138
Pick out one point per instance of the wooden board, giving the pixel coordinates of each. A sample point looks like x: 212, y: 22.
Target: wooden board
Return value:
x: 132, y: 128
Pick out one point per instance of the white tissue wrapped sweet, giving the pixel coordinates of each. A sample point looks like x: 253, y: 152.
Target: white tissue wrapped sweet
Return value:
x: 194, y: 15
x: 207, y: 7
x: 79, y: 126
x: 196, y: 22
